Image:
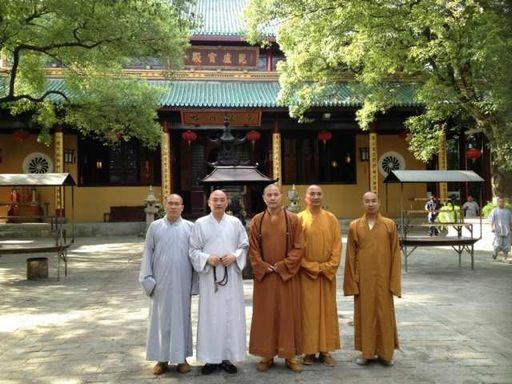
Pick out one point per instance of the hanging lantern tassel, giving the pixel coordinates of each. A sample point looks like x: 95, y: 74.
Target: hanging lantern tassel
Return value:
x: 253, y: 136
x: 324, y: 136
x: 189, y: 136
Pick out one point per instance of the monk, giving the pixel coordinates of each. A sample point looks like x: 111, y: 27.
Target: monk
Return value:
x: 167, y: 278
x: 218, y: 251
x: 275, y: 250
x: 372, y: 276
x: 322, y: 238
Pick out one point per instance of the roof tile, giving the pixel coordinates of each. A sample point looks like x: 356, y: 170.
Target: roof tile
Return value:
x: 222, y: 18
x: 248, y: 94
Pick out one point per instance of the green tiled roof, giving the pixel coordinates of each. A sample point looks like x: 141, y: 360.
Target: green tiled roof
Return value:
x: 261, y: 94
x: 219, y: 94
x: 222, y: 18
x: 248, y: 94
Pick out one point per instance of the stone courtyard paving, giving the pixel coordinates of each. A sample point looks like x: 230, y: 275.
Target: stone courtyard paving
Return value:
x: 454, y: 324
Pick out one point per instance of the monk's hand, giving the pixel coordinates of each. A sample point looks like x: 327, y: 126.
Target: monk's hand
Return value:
x: 228, y: 259
x: 271, y: 268
x: 214, y: 260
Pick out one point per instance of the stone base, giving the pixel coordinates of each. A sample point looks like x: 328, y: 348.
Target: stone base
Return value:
x: 37, y: 268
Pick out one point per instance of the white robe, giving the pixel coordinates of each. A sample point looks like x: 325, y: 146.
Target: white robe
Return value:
x: 221, y: 324
x: 502, y: 220
x: 167, y: 277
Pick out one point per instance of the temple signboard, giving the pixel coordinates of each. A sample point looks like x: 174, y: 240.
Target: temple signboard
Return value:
x: 222, y: 57
x: 235, y: 118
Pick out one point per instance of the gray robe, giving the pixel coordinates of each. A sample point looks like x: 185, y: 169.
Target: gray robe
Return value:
x: 502, y: 220
x: 166, y: 276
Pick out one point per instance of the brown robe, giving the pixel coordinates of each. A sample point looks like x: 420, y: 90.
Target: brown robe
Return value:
x: 372, y: 276
x: 276, y: 317
x: 321, y: 260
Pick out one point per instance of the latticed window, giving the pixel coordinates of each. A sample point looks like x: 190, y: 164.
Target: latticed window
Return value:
x: 307, y: 160
x: 127, y: 163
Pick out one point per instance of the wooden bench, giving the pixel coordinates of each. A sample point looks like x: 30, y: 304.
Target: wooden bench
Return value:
x: 125, y: 213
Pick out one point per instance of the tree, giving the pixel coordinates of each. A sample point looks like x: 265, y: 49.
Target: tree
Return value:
x: 458, y: 55
x: 91, y: 40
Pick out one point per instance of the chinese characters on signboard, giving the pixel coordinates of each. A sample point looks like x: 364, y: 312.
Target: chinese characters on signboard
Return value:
x: 236, y: 119
x: 222, y: 57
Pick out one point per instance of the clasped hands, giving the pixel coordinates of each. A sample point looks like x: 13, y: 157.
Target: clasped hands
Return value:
x: 225, y: 260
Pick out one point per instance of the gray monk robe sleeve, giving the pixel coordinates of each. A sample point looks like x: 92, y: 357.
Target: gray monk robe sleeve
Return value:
x: 146, y: 276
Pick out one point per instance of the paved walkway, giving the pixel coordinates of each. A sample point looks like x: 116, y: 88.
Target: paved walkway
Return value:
x: 455, y: 325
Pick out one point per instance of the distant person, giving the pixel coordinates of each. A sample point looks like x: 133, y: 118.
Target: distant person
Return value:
x: 432, y: 207
x: 322, y: 239
x: 471, y: 208
x: 501, y: 222
x: 276, y: 250
x: 218, y: 251
x: 373, y: 276
x: 167, y: 278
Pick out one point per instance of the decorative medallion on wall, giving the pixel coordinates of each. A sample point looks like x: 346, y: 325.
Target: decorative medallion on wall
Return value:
x: 391, y: 161
x: 37, y: 162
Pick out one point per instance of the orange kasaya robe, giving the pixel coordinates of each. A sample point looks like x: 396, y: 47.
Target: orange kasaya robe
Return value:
x: 372, y: 276
x: 276, y: 317
x: 322, y: 238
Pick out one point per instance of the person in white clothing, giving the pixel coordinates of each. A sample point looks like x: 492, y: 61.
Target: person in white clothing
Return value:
x: 501, y: 222
x: 167, y: 277
x: 218, y: 252
x: 470, y: 207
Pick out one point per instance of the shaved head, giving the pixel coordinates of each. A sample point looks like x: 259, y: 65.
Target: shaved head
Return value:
x: 370, y: 195
x: 314, y: 198
x: 272, y: 197
x: 218, y: 202
x: 271, y: 186
x: 371, y: 203
x: 218, y: 192
x: 174, y: 196
x: 173, y: 207
x: 313, y: 187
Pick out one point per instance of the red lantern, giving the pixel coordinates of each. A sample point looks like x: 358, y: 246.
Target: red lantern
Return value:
x: 253, y: 136
x: 189, y: 136
x: 324, y: 136
x: 473, y: 154
x: 20, y: 135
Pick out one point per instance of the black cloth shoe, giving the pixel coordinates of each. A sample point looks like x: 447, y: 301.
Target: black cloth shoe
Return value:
x: 208, y: 368
x: 228, y: 367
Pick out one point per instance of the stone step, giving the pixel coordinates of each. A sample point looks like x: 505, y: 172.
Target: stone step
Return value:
x: 25, y: 230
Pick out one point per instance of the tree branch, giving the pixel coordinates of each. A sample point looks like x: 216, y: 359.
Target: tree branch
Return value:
x: 11, y: 98
x: 78, y: 44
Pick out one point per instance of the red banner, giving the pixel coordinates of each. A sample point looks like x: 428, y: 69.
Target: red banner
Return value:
x: 236, y: 118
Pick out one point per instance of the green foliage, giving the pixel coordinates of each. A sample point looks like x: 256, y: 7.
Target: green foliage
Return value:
x: 486, y: 210
x: 91, y: 40
x: 458, y: 54
x: 449, y: 214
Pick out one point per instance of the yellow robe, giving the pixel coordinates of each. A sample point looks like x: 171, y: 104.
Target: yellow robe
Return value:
x: 372, y: 276
x: 276, y: 327
x: 319, y: 265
